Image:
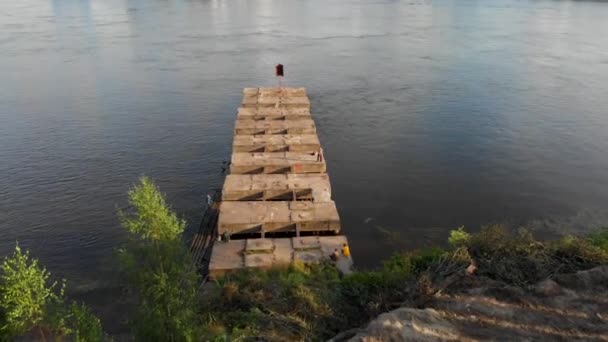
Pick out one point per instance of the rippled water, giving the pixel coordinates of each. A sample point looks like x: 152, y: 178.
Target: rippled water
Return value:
x: 432, y: 114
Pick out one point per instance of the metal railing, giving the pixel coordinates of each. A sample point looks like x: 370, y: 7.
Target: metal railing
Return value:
x: 202, y: 243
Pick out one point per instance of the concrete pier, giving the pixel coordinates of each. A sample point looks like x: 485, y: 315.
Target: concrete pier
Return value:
x: 308, y: 143
x: 276, y: 162
x: 275, y: 97
x: 263, y: 217
x: 252, y: 113
x: 276, y: 205
x: 303, y: 126
x: 287, y: 187
x: 267, y: 253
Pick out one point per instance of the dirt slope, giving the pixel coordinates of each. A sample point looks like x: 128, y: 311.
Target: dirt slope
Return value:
x: 569, y: 307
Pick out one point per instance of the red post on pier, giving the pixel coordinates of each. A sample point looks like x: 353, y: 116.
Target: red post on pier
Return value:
x: 278, y: 69
x: 279, y: 73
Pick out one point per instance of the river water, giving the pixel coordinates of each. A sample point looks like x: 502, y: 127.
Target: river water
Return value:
x: 432, y: 114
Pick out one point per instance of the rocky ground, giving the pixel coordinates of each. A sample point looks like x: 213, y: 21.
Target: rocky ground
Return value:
x: 564, y: 307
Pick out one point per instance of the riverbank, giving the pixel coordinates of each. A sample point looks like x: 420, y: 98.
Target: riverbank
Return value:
x: 316, y: 302
x: 165, y: 299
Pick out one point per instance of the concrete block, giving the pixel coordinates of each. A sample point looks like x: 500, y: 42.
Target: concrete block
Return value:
x: 307, y: 143
x: 283, y: 251
x: 271, y: 113
x: 275, y: 162
x: 259, y: 246
x: 250, y: 91
x: 283, y: 91
x: 306, y: 243
x: 259, y: 260
x: 266, y: 253
x: 309, y: 256
x: 249, y: 127
x: 252, y: 216
x: 315, y: 187
x: 226, y: 256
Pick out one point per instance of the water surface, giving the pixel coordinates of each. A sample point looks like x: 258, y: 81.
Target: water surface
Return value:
x: 432, y: 114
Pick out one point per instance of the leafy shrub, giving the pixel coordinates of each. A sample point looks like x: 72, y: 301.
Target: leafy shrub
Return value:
x: 513, y: 258
x: 26, y: 293
x: 295, y: 303
x: 520, y: 259
x: 86, y: 327
x: 150, y: 217
x: 574, y: 253
x: 459, y: 238
x: 158, y: 269
x: 600, y: 239
x: 30, y: 301
x: 412, y: 263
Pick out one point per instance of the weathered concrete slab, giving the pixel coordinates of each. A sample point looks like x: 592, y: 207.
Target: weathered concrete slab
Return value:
x: 275, y: 102
x: 251, y: 217
x: 331, y: 243
x: 275, y: 98
x: 283, y: 251
x: 283, y: 102
x: 253, y: 113
x: 274, y: 91
x: 283, y: 91
x: 259, y: 246
x: 249, y: 127
x: 250, y: 91
x: 276, y: 162
x: 319, y: 183
x: 255, y: 182
x: 265, y: 187
x: 259, y: 260
x: 277, y: 216
x: 325, y: 246
x: 276, y: 143
x: 305, y: 243
x: 227, y: 256
x: 308, y: 256
x: 279, y: 252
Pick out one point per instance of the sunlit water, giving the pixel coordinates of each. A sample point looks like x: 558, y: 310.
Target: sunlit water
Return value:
x: 432, y: 114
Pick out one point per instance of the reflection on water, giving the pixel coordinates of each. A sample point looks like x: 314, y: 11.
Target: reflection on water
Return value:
x: 432, y: 114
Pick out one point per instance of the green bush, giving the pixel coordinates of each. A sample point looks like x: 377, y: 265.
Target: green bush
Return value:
x: 574, y: 253
x: 30, y: 302
x: 150, y: 218
x: 412, y: 263
x: 294, y: 303
x: 25, y: 294
x: 512, y: 258
x: 459, y: 238
x: 600, y: 239
x: 158, y: 269
x: 86, y: 327
x: 309, y: 302
x: 518, y: 258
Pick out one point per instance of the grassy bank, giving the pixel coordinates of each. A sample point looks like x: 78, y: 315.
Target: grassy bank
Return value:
x: 315, y: 302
